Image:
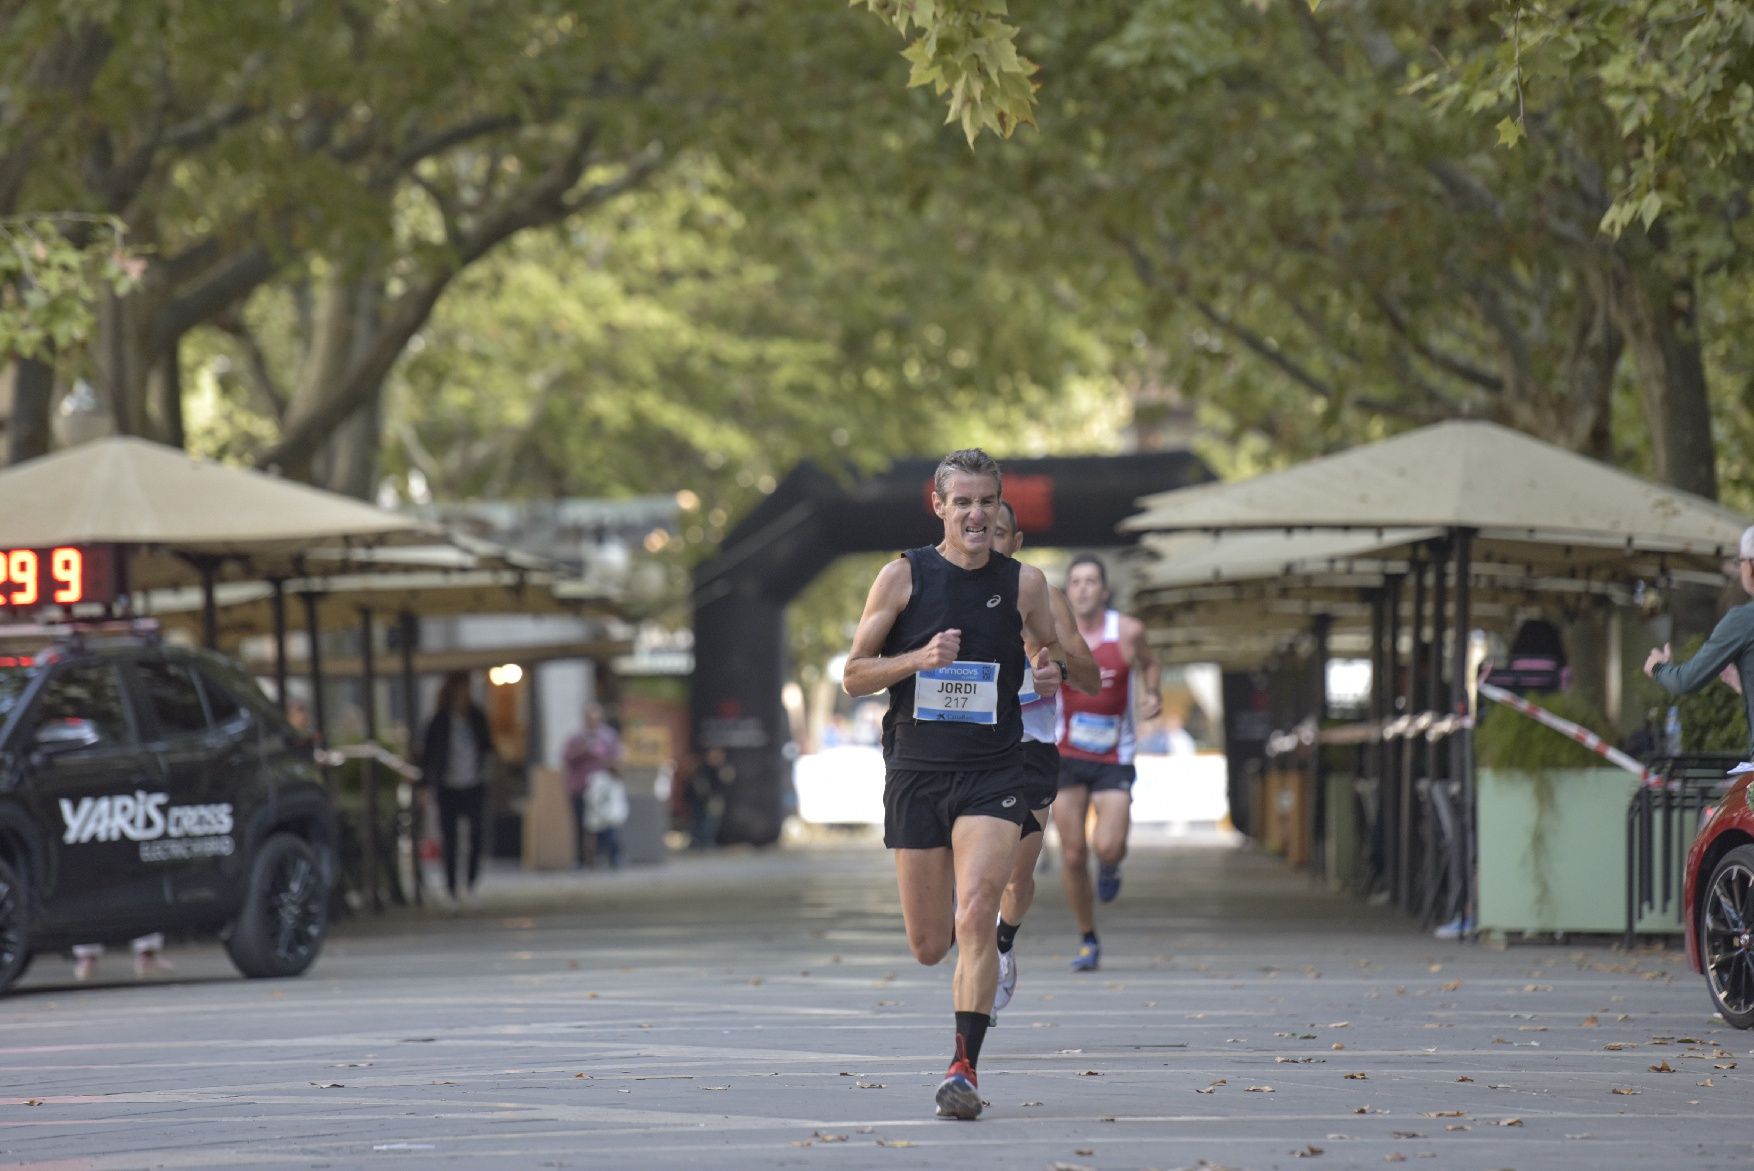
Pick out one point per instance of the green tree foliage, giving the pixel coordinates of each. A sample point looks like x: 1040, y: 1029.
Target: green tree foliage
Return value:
x: 1334, y: 240
x: 965, y: 50
x: 52, y: 269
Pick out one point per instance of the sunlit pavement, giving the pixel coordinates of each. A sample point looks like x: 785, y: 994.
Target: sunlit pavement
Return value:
x: 750, y: 1009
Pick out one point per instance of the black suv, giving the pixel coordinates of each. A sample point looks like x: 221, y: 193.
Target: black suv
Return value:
x: 148, y: 788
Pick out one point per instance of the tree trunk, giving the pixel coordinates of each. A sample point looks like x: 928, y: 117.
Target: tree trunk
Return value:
x: 33, y: 391
x: 346, y: 324
x: 124, y: 362
x: 1658, y: 314
x: 352, y: 457
x: 168, y: 390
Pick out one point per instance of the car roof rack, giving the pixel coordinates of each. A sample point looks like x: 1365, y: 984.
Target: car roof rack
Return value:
x: 76, y: 632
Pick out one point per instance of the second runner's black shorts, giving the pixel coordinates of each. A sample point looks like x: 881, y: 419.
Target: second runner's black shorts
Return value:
x: 1041, y: 765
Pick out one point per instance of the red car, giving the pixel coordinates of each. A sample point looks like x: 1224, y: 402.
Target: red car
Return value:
x: 1719, y: 894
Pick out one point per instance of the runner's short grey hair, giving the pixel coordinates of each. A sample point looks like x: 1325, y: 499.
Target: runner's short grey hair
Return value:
x: 970, y: 460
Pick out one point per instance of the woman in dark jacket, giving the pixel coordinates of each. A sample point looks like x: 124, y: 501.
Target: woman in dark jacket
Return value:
x: 454, y: 757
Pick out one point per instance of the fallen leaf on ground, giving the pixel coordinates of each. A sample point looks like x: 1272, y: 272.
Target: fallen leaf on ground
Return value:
x: 1369, y: 1110
x: 828, y: 1138
x: 1662, y: 1067
x: 1341, y: 1025
x: 1624, y: 1091
x: 1591, y: 1021
x: 1706, y: 1082
x: 1357, y: 1077
x: 1029, y: 1103
x: 869, y: 1085
x: 1394, y: 1157
x: 1452, y: 985
x: 1509, y: 1122
x: 1259, y: 1090
x: 894, y: 1142
x: 715, y: 1087
x: 1406, y: 1134
x: 1456, y: 1126
x: 1308, y: 1152
x: 1091, y: 1073
x: 329, y: 1085
x: 1616, y: 1046
x: 1464, y: 1078
x: 1336, y: 1046
x: 1445, y: 1114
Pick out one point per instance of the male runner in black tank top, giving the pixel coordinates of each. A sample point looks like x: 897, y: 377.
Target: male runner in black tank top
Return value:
x: 943, y: 632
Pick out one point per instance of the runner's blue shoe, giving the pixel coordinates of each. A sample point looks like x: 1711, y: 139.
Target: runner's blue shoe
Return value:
x: 1108, y: 883
x: 1088, y: 957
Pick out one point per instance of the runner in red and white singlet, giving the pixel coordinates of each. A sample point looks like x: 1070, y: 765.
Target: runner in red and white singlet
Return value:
x: 1096, y: 749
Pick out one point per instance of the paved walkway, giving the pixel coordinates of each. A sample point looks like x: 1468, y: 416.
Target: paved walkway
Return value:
x: 750, y: 1010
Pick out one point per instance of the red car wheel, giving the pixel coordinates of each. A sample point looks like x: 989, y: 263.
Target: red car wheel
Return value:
x: 1726, y: 936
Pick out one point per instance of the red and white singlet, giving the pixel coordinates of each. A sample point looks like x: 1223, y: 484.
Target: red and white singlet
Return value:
x: 1100, y: 727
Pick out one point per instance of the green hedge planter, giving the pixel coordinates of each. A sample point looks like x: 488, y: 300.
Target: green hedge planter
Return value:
x: 1553, y: 852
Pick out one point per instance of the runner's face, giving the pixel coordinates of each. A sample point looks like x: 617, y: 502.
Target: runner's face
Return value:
x: 1006, y: 539
x: 1085, y: 592
x: 968, y: 509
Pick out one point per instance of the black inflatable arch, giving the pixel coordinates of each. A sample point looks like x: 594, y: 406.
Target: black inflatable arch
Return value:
x: 810, y: 519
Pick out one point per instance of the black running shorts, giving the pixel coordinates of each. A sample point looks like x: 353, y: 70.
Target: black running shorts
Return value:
x: 1098, y: 776
x: 1041, y: 765
x: 919, y: 808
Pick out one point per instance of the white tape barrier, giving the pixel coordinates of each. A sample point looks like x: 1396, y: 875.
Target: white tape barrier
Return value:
x: 1576, y: 732
x: 332, y: 757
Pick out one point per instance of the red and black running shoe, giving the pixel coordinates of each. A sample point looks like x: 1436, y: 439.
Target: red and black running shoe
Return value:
x: 959, y: 1094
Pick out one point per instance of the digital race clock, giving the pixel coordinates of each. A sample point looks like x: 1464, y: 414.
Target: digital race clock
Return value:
x: 60, y: 576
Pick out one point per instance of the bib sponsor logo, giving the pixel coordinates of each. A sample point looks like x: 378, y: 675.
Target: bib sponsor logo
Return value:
x: 140, y: 817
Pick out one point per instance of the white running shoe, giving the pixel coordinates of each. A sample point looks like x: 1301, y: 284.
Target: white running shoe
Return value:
x: 1007, y: 979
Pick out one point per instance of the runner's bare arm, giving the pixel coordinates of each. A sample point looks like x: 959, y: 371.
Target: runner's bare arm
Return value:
x: 1145, y: 665
x: 867, y: 670
x: 1037, y: 612
x: 1081, y: 669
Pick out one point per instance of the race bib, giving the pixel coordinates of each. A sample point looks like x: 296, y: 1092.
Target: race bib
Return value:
x: 963, y: 692
x: 1088, y: 732
x: 1026, y: 694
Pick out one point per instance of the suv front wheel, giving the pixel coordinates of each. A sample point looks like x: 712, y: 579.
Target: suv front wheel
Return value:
x: 285, y: 915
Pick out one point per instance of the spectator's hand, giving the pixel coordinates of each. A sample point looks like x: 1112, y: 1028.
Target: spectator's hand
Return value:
x: 1733, y: 677
x: 941, y: 651
x: 1657, y: 656
x: 1045, y: 673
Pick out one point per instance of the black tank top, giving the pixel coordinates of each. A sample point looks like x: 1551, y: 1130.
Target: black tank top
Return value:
x: 982, y: 603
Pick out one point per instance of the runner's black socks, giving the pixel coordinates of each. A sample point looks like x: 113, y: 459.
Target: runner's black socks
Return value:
x: 971, y: 1030
x: 1008, y: 934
